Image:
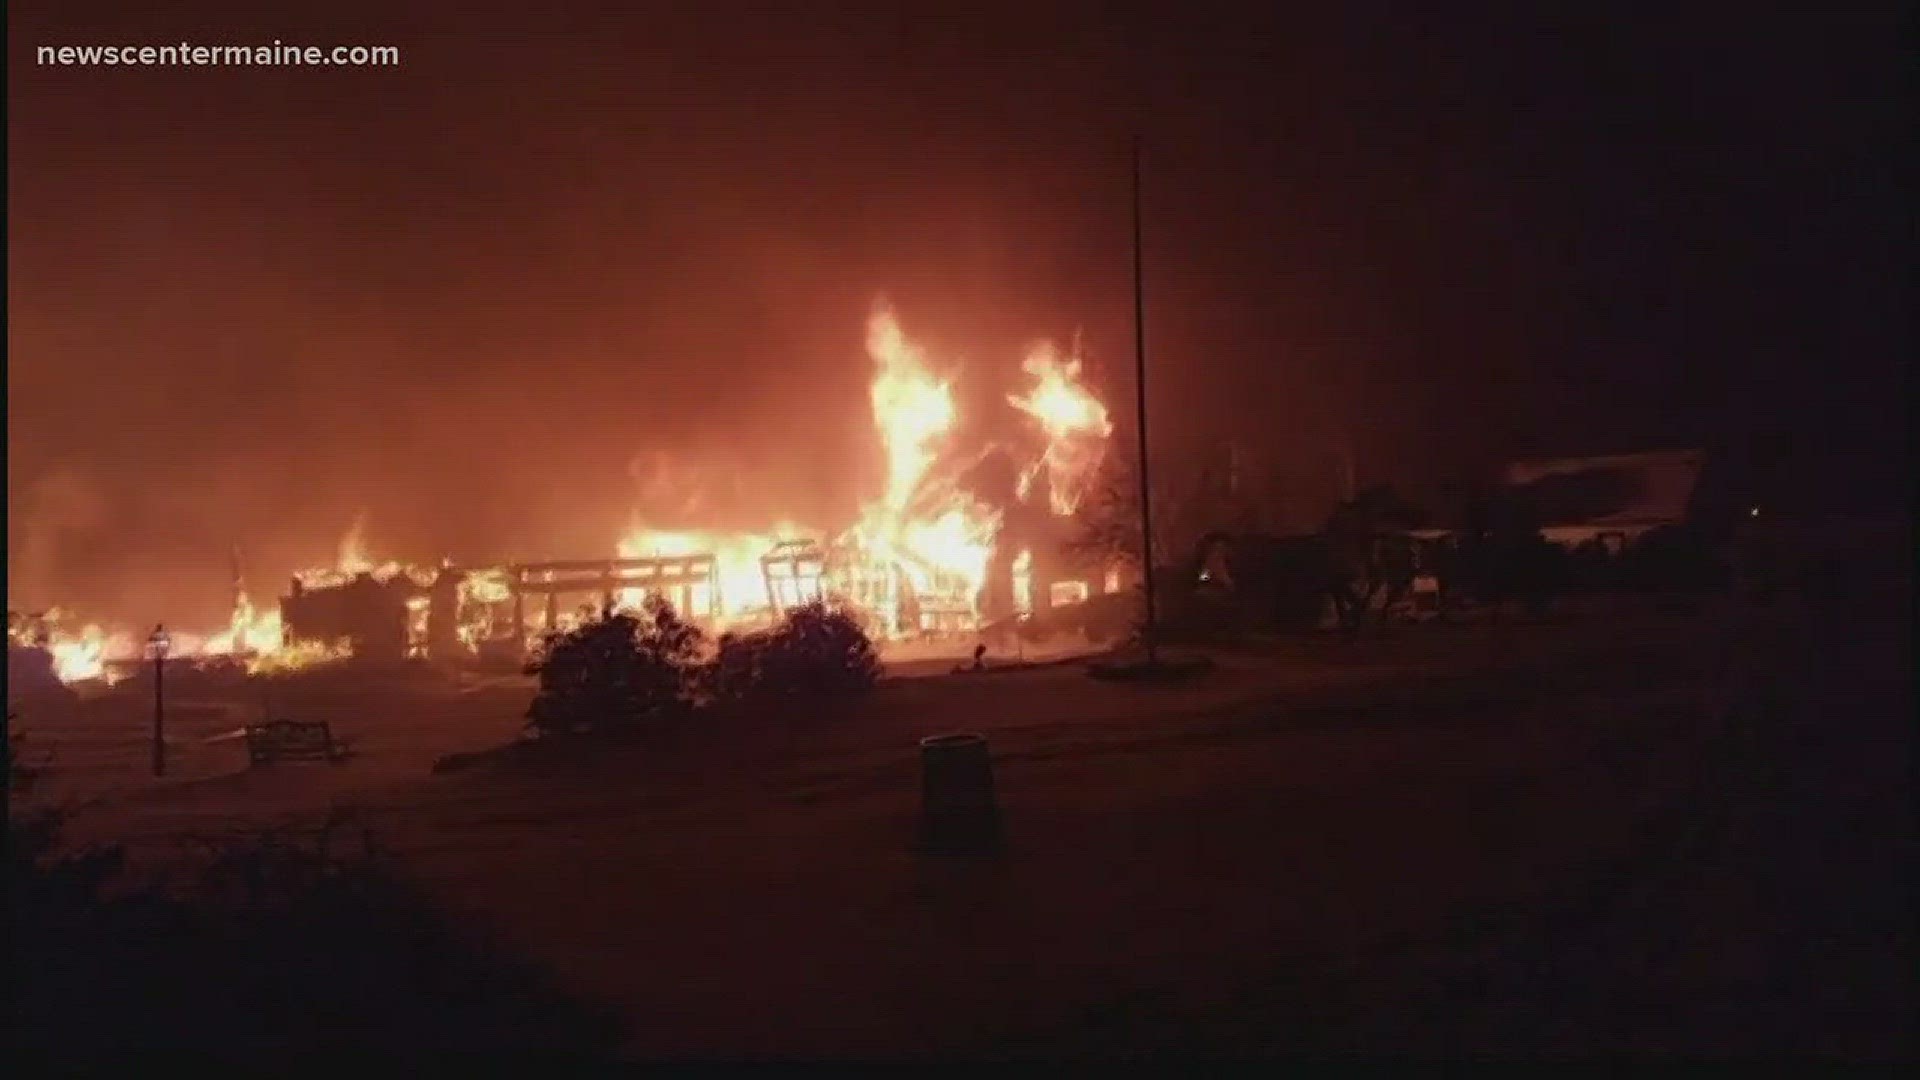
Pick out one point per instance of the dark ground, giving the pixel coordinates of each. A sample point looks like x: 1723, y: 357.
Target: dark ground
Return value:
x: 1652, y: 835
x: 1766, y: 907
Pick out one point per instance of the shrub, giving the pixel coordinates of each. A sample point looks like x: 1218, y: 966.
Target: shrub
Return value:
x: 615, y: 670
x: 31, y: 678
x: 1675, y: 559
x: 816, y: 647
x: 321, y: 953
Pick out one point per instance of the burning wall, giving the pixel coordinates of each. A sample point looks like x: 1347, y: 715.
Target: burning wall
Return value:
x: 375, y: 615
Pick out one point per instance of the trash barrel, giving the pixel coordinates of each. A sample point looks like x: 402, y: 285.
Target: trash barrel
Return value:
x: 958, y: 812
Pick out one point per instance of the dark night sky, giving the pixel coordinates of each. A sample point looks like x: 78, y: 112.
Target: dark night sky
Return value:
x: 462, y: 295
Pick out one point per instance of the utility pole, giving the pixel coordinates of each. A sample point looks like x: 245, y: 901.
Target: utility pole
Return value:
x: 1140, y: 385
x: 158, y: 643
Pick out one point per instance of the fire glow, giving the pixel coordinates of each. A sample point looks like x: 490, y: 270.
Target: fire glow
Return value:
x: 915, y: 560
x: 924, y: 544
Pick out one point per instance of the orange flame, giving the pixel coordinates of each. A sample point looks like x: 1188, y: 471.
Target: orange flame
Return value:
x: 1075, y: 423
x: 739, y: 588
x: 353, y: 560
x: 1023, y: 581
x: 921, y: 535
x: 77, y: 659
x: 922, y: 528
x: 247, y: 631
x: 911, y: 407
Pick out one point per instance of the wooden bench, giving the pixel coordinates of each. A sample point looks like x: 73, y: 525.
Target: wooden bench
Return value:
x: 293, y: 741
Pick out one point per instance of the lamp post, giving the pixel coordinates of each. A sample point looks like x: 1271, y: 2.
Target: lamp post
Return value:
x: 157, y: 645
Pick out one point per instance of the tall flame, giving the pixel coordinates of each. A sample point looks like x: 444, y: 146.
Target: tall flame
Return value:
x: 1075, y: 424
x: 923, y: 528
x: 1023, y: 581
x: 352, y: 560
x: 247, y: 631
x: 258, y: 638
x: 912, y: 408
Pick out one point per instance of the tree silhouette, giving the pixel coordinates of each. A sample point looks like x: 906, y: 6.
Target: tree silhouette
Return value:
x: 1108, y: 519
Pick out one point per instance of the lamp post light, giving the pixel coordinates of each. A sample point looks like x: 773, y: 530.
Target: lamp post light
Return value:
x: 157, y: 645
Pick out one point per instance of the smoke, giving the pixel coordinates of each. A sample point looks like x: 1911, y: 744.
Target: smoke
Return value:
x: 352, y: 555
x: 60, y: 508
x: 665, y: 489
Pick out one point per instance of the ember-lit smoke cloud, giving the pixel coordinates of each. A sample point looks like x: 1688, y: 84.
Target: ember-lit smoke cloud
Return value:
x: 57, y: 511
x: 466, y: 295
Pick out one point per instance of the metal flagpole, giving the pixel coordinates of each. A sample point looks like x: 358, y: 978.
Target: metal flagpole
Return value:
x: 1140, y: 385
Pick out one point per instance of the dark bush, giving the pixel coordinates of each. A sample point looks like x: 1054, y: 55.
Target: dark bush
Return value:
x: 31, y: 678
x: 816, y: 647
x: 316, y: 953
x: 615, y: 671
x: 1516, y: 566
x: 1675, y: 559
x: 1592, y: 568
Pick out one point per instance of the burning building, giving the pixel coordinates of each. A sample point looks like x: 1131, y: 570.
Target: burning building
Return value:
x: 935, y: 552
x: 375, y: 614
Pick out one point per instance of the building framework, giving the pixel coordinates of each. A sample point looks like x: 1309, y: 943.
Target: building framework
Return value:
x: 445, y: 612
x: 691, y: 583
